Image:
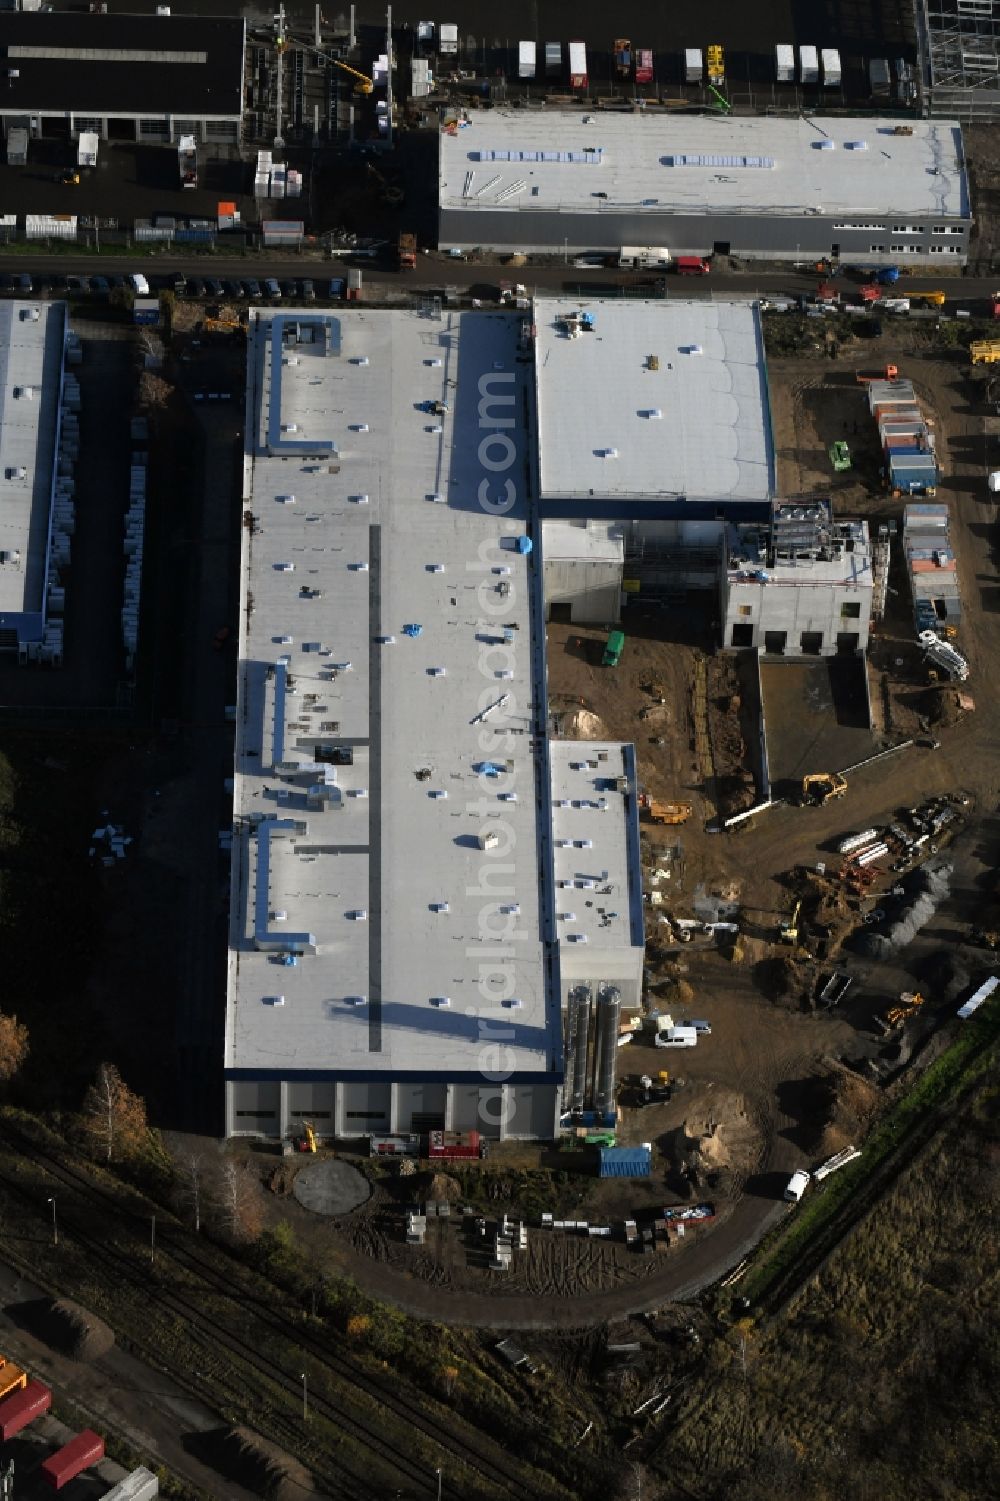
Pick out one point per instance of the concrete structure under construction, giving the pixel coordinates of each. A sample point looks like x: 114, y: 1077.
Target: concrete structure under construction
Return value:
x: 32, y: 351
x: 394, y: 949
x: 652, y: 411
x: 800, y: 586
x: 760, y: 188
x: 583, y: 563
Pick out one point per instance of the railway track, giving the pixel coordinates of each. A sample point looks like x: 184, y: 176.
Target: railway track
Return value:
x: 483, y: 1458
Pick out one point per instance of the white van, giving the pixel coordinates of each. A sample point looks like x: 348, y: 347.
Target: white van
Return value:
x: 139, y: 284
x: 797, y: 1185
x: 677, y: 1037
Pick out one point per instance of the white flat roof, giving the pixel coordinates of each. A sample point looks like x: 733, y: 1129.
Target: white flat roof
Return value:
x: 588, y: 541
x: 594, y: 900
x: 383, y: 890
x: 31, y: 351
x: 703, y: 163
x: 663, y: 398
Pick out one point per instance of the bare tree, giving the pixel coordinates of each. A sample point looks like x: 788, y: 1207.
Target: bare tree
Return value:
x: 240, y: 1200
x: 13, y: 1046
x: 114, y: 1117
x: 191, y: 1168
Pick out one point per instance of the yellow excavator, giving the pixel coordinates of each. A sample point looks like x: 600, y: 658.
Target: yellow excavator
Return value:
x: 788, y: 929
x: 910, y: 1002
x: 822, y: 787
x: 362, y: 83
x: 662, y: 812
x: 307, y: 1141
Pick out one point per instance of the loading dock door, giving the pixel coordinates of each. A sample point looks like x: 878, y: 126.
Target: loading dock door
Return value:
x: 847, y: 643
x: 774, y: 642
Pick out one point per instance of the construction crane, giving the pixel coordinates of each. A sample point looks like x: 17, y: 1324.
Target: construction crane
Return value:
x: 821, y: 787
x: 362, y: 83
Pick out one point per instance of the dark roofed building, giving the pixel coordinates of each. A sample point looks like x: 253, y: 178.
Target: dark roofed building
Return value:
x: 141, y: 77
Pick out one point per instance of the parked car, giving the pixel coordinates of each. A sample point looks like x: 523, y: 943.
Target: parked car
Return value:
x: 100, y: 286
x: 290, y: 289
x: 253, y: 287
x: 335, y: 291
x: 703, y: 1028
x: 6, y: 286
x: 77, y: 286
x: 196, y: 287
x: 271, y: 287
x: 180, y: 285
x: 308, y: 291
x: 215, y: 287
x: 138, y: 283
x: 25, y: 286
x: 235, y: 289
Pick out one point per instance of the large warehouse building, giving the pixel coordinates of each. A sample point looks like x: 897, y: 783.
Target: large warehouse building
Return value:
x: 754, y: 187
x: 652, y: 410
x: 32, y: 352
x: 147, y: 78
x: 400, y: 900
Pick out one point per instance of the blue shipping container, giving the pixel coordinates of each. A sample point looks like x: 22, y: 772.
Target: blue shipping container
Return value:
x: 625, y: 1162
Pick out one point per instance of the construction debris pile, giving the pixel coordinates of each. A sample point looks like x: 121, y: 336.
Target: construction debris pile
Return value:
x: 929, y: 888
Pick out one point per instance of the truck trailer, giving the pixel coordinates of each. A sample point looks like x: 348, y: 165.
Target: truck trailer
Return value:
x: 553, y: 59
x: 525, y: 60
x: 187, y: 161
x: 86, y: 148
x: 577, y: 65
x: 784, y: 63
x: 694, y: 65
x: 448, y: 38
x: 644, y: 65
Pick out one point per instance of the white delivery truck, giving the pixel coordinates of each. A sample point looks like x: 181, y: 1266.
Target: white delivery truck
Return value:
x: 808, y: 65
x: 86, y: 149
x: 525, y: 59
x: 694, y: 65
x: 784, y: 62
x: 643, y: 257
x: 832, y: 72
x: 448, y: 38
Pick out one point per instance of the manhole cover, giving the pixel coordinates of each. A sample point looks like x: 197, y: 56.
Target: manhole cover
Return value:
x: 331, y: 1188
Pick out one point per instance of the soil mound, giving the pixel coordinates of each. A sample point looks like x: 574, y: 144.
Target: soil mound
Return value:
x: 261, y: 1467
x: 845, y: 1104
x: 581, y: 724
x: 74, y: 1331
x: 443, y: 1189
x: 945, y: 705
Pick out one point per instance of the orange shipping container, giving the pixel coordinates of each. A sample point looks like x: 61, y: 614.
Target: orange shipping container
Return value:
x: 928, y: 565
x: 12, y: 1379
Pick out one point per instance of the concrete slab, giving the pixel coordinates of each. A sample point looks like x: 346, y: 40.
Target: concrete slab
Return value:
x: 331, y: 1188
x: 815, y: 718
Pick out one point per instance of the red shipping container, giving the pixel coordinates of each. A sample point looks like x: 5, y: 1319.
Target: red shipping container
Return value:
x: 453, y: 1144
x: 72, y: 1459
x: 22, y: 1408
x: 644, y: 66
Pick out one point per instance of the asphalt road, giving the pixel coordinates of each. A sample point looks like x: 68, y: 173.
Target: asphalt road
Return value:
x: 436, y: 271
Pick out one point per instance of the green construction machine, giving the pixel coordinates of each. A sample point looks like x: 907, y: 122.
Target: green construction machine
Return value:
x: 840, y: 456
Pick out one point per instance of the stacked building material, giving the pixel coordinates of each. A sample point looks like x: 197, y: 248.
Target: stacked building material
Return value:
x: 931, y: 568
x: 905, y: 437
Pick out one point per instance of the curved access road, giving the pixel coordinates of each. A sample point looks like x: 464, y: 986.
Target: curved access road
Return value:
x: 687, y: 1272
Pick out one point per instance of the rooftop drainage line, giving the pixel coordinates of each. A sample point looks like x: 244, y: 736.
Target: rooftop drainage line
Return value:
x: 375, y: 790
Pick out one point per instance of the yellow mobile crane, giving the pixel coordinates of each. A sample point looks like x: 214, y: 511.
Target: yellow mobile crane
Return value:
x: 362, y: 83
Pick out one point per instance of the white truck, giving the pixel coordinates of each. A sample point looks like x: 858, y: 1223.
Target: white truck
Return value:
x: 448, y: 38
x: 832, y: 72
x: 187, y: 161
x: 808, y: 65
x: 784, y: 62
x: 694, y: 65
x: 644, y: 257
x: 525, y: 60
x: 797, y: 1185
x: 86, y: 149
